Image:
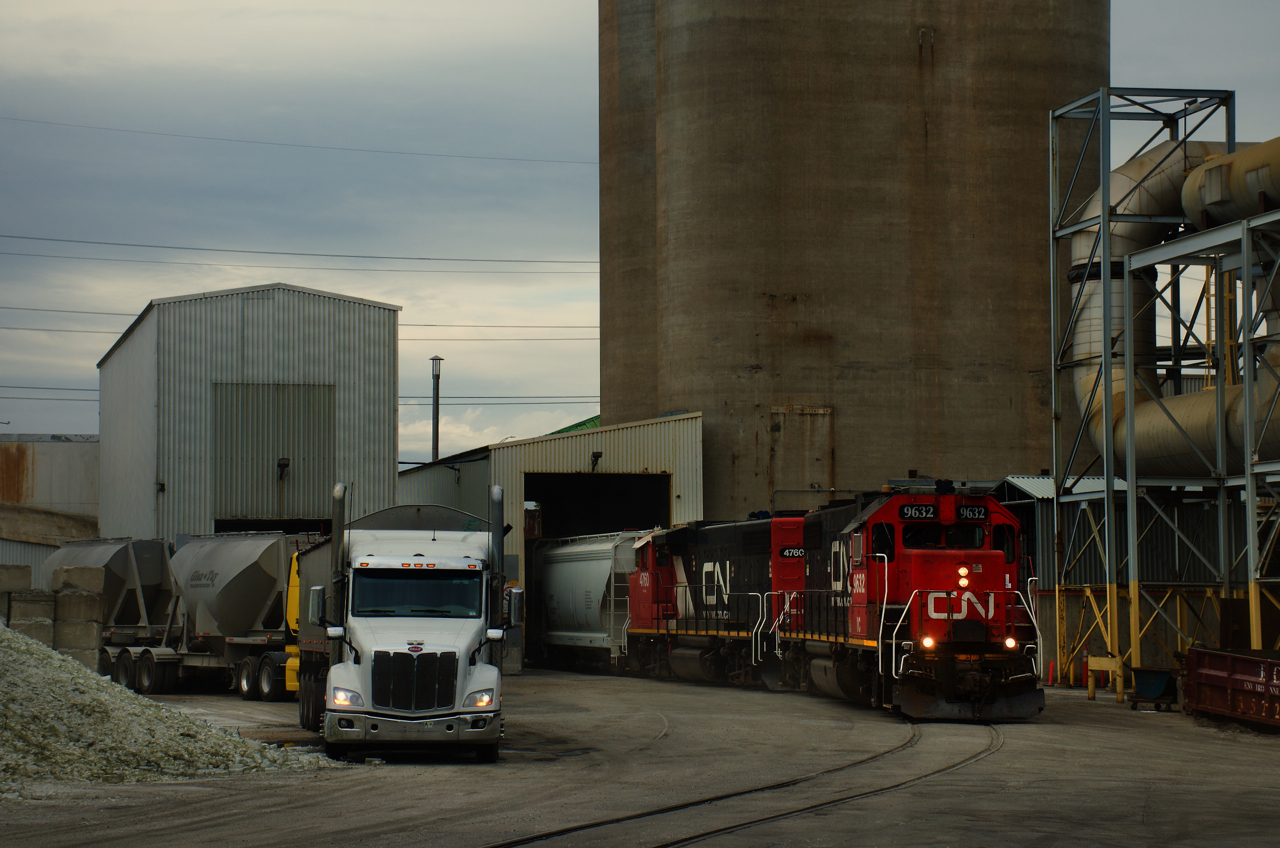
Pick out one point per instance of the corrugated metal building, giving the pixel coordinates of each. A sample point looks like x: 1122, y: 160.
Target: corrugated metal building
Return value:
x: 632, y: 476
x: 48, y: 494
x: 239, y: 409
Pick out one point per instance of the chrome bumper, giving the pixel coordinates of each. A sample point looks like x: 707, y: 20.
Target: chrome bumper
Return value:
x: 458, y: 728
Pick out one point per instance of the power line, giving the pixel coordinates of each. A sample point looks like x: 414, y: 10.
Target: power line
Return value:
x: 53, y: 330
x: 296, y: 253
x: 305, y: 146
x: 71, y: 311
x: 69, y: 389
x: 279, y: 267
x: 522, y: 326
x: 478, y: 397
x: 118, y: 332
x: 513, y: 403
x: 69, y: 400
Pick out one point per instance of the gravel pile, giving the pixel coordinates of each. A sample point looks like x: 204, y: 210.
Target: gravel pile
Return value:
x: 60, y: 721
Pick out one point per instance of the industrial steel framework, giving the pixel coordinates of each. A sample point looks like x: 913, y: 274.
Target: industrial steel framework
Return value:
x: 1178, y: 541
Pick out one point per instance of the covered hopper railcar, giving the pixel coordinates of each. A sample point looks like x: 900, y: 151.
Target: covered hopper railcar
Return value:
x: 914, y: 599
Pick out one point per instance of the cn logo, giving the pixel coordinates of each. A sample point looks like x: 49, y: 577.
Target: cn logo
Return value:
x: 937, y: 606
x: 719, y: 581
x: 839, y: 566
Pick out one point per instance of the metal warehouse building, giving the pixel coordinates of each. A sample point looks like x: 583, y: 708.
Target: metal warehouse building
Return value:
x: 48, y: 494
x: 238, y: 409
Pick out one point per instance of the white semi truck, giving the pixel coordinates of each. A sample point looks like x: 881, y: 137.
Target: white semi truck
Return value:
x: 401, y: 630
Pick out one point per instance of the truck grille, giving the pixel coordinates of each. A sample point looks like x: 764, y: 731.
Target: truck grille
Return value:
x: 414, y: 682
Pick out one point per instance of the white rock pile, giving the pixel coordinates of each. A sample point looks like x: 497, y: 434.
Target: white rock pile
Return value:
x: 61, y: 721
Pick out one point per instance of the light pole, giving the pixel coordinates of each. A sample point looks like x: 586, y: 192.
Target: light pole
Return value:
x: 435, y: 407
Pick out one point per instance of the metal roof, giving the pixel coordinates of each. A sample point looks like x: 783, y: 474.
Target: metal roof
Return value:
x: 1041, y: 488
x: 227, y: 292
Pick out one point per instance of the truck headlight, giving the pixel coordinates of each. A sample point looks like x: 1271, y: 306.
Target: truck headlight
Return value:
x: 346, y: 698
x: 480, y: 698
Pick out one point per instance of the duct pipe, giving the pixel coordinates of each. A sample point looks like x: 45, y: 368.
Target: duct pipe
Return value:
x: 1239, y: 185
x: 1162, y: 450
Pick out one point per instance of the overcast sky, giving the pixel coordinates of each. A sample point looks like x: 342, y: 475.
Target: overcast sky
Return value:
x: 489, y: 79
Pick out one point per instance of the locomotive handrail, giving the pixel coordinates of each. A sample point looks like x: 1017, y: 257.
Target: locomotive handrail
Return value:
x: 757, y: 646
x: 893, y: 642
x: 786, y: 608
x: 884, y: 602
x: 1035, y: 660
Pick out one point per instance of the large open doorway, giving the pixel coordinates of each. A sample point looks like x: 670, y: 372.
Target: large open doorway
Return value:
x: 582, y: 505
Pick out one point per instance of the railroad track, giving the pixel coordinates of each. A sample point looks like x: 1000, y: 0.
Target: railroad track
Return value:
x: 993, y: 745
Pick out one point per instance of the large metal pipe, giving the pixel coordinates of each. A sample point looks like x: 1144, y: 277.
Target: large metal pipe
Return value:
x: 1238, y: 185
x: 1182, y: 179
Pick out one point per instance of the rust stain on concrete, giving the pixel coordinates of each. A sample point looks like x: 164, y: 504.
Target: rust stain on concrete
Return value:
x: 15, y: 467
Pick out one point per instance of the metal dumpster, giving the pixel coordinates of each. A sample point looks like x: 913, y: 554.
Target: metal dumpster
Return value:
x: 1244, y: 685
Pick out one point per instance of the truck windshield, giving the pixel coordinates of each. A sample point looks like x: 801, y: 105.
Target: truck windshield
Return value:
x: 417, y: 594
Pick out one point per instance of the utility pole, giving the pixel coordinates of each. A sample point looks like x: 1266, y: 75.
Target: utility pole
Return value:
x: 435, y: 407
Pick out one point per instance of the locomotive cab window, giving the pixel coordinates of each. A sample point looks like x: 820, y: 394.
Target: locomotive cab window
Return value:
x: 930, y: 535
x: 882, y: 540
x: 1002, y: 540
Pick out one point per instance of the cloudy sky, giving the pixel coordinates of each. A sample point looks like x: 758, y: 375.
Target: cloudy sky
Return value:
x: 510, y: 80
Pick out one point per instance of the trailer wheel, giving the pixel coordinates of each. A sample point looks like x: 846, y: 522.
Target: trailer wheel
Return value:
x: 105, y: 664
x: 247, y: 679
x: 148, y: 678
x: 487, y: 753
x: 271, y: 678
x: 304, y: 700
x: 124, y: 669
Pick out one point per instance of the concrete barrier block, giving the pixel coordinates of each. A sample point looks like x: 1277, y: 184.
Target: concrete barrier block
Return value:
x: 88, y: 658
x: 77, y: 635
x: 82, y: 577
x: 40, y: 629
x: 15, y: 578
x: 30, y: 605
x: 4, y: 608
x: 77, y: 606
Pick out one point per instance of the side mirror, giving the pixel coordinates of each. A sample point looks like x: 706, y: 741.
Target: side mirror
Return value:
x: 315, y: 605
x: 495, y: 634
x: 336, y: 632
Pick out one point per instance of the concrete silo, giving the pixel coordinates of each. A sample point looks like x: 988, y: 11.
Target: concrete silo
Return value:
x: 847, y: 203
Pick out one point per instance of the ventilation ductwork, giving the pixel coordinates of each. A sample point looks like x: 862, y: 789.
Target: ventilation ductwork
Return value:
x: 1199, y: 177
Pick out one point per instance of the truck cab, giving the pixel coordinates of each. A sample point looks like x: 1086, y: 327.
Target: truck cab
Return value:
x: 410, y: 620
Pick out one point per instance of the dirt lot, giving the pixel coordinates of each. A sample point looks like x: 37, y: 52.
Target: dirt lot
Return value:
x: 584, y: 749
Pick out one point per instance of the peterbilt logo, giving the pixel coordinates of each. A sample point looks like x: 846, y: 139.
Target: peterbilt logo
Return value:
x: 415, y: 649
x: 202, y: 579
x: 941, y: 599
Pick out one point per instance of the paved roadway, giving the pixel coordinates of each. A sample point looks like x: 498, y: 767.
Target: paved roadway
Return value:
x: 581, y: 749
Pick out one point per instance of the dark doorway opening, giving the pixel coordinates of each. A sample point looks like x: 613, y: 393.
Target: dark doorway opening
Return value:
x: 583, y: 504
x: 288, y: 526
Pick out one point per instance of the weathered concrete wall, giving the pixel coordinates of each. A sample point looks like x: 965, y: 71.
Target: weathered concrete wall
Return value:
x: 850, y: 219
x: 58, y: 473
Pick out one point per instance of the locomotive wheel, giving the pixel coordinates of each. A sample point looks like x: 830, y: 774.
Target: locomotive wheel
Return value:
x: 247, y: 679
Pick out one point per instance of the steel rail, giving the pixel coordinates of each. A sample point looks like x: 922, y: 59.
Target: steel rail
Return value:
x: 909, y: 742
x: 997, y: 741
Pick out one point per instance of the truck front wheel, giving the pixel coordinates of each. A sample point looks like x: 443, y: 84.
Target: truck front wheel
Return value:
x: 487, y: 753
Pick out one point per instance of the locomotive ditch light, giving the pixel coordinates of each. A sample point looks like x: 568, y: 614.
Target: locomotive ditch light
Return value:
x: 1011, y: 643
x: 927, y: 642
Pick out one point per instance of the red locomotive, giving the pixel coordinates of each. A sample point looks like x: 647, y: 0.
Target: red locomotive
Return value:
x: 910, y: 598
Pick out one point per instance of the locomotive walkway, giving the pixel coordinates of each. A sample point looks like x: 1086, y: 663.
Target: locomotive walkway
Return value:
x: 615, y: 761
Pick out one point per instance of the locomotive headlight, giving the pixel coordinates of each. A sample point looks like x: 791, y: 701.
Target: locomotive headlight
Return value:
x: 1011, y: 643
x: 964, y: 572
x: 927, y: 642
x: 964, y: 581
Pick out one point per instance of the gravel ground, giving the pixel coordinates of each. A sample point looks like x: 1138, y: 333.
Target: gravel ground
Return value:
x: 59, y: 721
